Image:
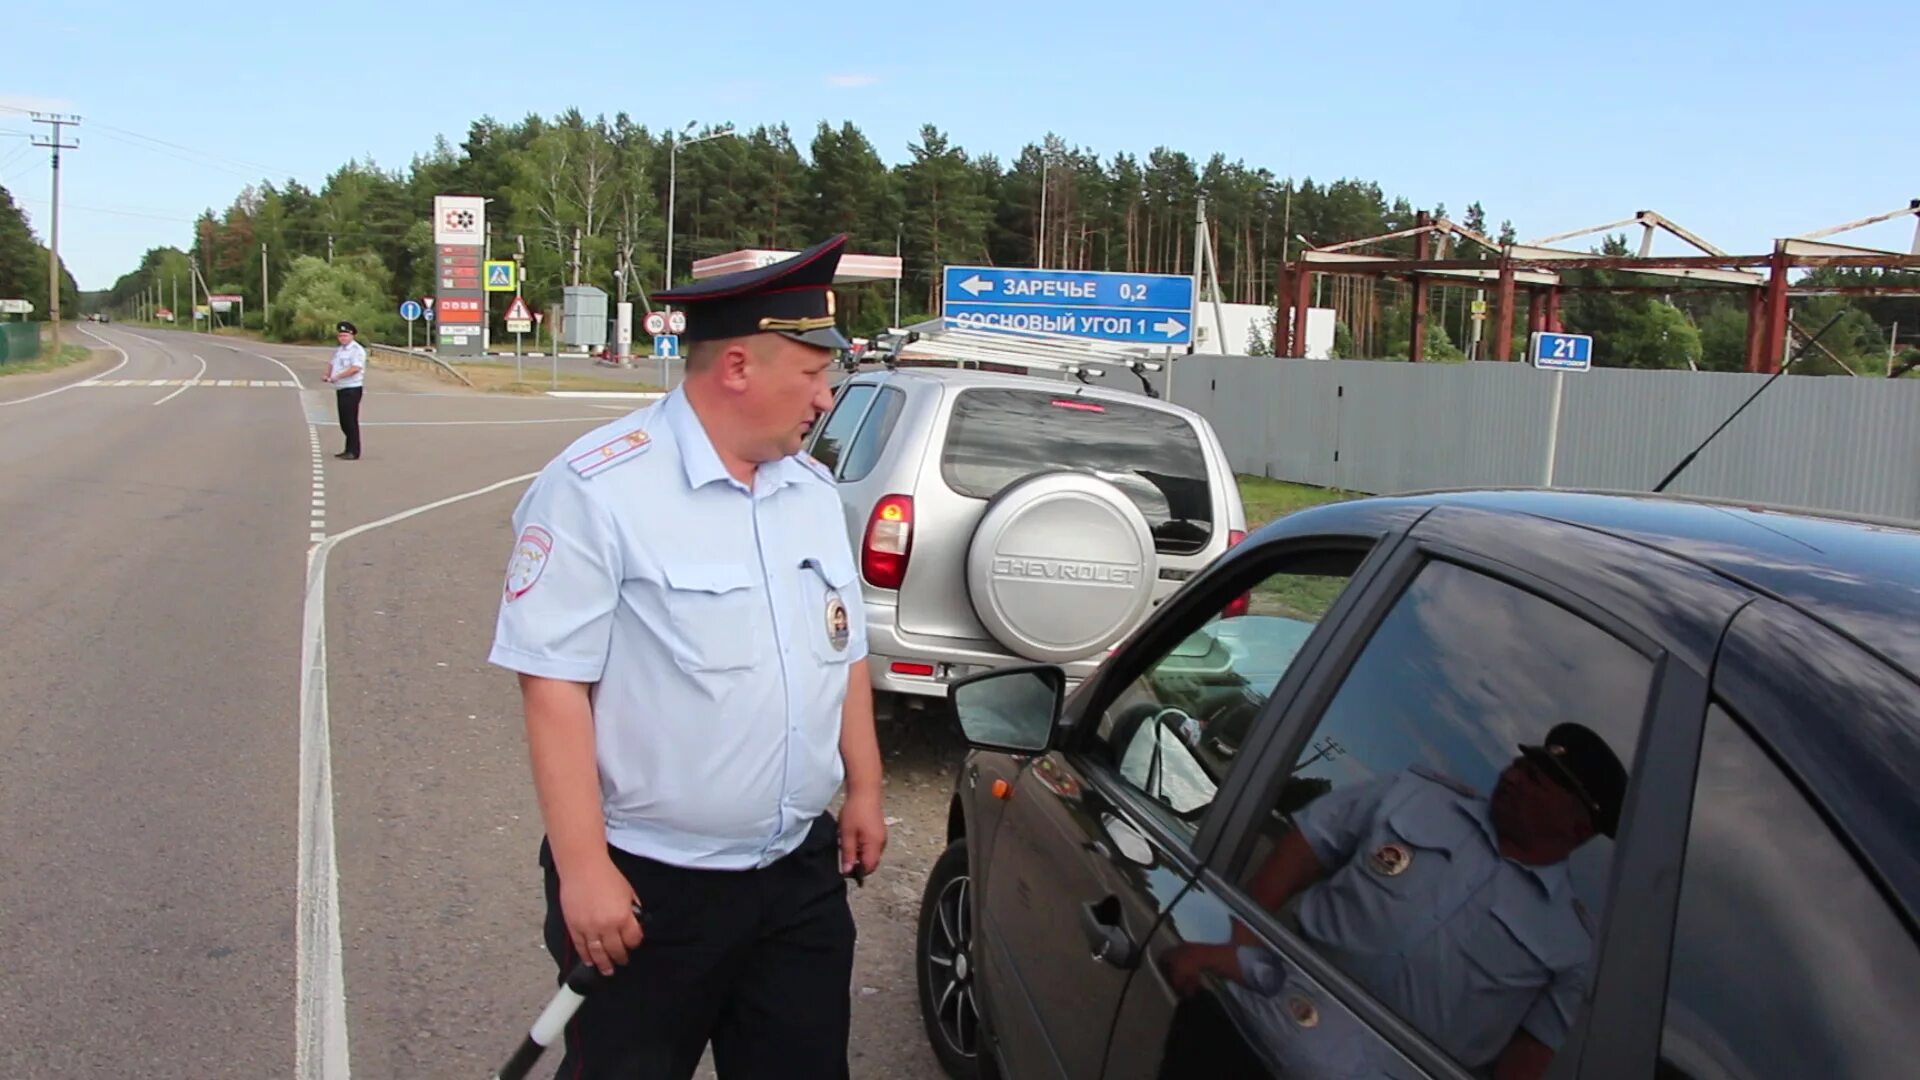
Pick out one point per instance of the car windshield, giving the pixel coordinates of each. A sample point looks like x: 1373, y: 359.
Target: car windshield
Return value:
x: 998, y: 436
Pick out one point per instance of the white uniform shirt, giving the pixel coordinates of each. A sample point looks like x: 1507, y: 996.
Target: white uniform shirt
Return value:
x: 718, y: 622
x: 350, y: 355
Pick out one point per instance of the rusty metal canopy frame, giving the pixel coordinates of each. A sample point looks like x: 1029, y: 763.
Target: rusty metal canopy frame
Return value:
x: 1537, y: 266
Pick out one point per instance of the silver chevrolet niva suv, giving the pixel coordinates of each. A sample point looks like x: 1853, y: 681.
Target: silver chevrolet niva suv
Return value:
x: 1004, y: 518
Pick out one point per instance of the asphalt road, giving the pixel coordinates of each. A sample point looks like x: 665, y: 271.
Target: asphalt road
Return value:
x: 267, y: 807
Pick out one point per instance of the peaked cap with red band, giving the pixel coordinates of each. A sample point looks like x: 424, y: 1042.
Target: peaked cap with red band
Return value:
x: 793, y: 297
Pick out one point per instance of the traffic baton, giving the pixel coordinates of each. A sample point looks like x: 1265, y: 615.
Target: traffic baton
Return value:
x: 547, y: 1028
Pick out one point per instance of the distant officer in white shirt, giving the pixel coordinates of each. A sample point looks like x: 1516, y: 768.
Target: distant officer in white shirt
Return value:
x: 683, y: 610
x: 347, y: 371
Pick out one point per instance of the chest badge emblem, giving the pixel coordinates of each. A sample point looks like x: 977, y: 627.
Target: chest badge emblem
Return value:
x: 1391, y: 860
x: 837, y: 630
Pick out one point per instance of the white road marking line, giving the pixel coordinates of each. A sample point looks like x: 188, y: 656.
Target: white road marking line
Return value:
x: 82, y: 382
x: 320, y: 1013
x: 636, y: 395
x: 320, y: 998
x: 316, y: 537
x: 188, y: 383
x: 290, y: 372
x: 482, y: 423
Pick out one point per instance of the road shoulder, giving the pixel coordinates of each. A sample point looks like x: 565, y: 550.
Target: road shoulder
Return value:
x: 26, y: 383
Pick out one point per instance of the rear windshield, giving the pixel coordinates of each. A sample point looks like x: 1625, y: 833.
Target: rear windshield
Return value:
x: 999, y: 436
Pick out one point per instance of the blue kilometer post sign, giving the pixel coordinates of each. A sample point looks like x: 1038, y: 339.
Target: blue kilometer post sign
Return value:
x: 1154, y: 309
x: 1561, y: 352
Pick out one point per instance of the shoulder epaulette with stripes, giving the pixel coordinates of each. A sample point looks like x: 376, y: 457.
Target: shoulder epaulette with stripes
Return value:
x: 622, y: 447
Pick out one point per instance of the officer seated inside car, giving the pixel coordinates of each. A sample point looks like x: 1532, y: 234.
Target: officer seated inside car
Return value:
x: 1398, y: 913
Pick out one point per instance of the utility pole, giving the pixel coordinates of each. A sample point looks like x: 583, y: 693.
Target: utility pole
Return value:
x: 1040, y: 246
x: 176, y: 298
x: 329, y: 247
x: 673, y: 183
x: 266, y: 304
x: 576, y: 255
x: 193, y: 268
x: 55, y: 121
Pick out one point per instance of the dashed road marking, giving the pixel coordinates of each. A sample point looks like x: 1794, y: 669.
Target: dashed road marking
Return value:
x: 95, y: 384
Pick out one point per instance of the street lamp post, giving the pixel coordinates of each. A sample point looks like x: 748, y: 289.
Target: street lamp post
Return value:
x: 673, y: 163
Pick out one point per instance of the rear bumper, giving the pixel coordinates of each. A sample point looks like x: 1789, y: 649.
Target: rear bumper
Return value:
x: 951, y: 659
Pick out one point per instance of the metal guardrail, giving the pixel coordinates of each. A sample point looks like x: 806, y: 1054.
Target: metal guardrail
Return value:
x: 422, y: 361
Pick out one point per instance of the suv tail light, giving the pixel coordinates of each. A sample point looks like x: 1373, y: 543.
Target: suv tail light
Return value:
x: 888, y: 543
x: 1243, y: 603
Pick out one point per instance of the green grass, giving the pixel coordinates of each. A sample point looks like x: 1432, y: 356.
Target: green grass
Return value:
x: 536, y: 377
x: 1267, y: 500
x: 1294, y: 596
x: 1297, y: 596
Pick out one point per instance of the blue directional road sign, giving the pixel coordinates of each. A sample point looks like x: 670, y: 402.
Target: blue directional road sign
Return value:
x: 410, y: 309
x: 1560, y: 352
x: 666, y: 346
x: 1137, y: 308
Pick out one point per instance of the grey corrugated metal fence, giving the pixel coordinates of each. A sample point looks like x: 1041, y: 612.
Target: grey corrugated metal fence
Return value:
x: 1844, y: 444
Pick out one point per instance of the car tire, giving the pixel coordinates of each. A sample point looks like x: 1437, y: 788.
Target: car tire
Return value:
x: 1060, y: 566
x: 943, y: 961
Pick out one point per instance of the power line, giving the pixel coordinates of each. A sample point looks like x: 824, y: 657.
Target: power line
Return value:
x: 183, y: 158
x: 202, y: 153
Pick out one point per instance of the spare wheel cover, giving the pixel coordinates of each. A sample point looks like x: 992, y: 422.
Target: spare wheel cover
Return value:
x: 1061, y: 566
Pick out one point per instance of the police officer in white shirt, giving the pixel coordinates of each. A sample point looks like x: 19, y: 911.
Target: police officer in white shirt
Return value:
x: 682, y: 609
x: 347, y: 371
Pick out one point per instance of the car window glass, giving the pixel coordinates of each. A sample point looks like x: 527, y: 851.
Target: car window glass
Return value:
x: 1175, y: 731
x: 840, y: 422
x: 860, y: 457
x: 1414, y: 844
x: 999, y: 436
x: 1786, y: 960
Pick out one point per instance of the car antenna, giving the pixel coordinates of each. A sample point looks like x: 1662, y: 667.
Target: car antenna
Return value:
x: 1688, y: 460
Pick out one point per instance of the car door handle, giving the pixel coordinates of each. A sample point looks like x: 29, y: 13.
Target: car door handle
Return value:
x: 1110, y: 944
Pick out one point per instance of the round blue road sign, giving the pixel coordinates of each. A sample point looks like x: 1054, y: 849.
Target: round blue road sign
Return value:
x: 409, y: 309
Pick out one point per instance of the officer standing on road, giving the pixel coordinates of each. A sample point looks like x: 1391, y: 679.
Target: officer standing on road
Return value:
x: 347, y: 371
x: 682, y: 609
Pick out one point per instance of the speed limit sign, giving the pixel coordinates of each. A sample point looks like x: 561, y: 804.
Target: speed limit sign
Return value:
x: 656, y: 323
x: 676, y: 322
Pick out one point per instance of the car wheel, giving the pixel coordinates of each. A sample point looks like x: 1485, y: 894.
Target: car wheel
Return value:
x: 1060, y: 566
x: 949, y: 995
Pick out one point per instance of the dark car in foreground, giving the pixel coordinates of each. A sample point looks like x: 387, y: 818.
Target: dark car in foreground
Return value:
x: 1477, y: 784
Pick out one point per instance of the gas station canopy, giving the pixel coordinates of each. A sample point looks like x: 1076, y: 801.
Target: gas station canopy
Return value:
x: 853, y: 268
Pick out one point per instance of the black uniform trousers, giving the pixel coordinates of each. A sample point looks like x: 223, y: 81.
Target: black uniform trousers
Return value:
x: 348, y: 400
x: 759, y: 962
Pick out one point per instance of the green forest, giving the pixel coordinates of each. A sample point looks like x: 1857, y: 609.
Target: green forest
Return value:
x: 23, y: 264
x: 584, y: 197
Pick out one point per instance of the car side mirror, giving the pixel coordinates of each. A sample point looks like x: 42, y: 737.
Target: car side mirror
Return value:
x: 1009, y: 709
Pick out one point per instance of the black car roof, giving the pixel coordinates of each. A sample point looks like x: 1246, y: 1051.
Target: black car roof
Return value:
x: 1861, y: 577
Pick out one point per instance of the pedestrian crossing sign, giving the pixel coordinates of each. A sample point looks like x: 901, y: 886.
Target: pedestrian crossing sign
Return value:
x: 500, y: 276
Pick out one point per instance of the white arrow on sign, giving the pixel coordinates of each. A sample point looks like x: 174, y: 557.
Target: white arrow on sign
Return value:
x: 975, y: 285
x: 1170, y: 327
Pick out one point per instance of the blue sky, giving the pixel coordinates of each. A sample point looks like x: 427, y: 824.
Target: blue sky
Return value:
x: 1741, y: 121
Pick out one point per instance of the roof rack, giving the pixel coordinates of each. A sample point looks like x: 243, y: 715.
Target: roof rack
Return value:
x: 1075, y: 358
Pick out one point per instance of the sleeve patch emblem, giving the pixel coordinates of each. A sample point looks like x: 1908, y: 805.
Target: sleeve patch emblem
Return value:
x: 529, y: 561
